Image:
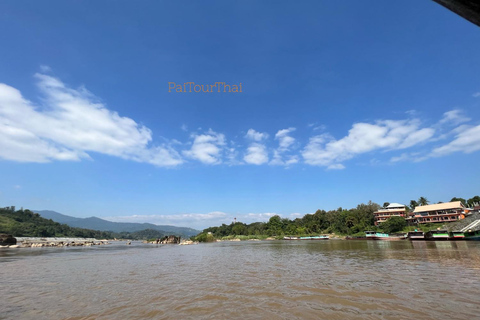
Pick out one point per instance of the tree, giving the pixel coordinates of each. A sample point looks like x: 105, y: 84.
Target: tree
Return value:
x: 471, y: 202
x: 413, y: 204
x: 274, y: 225
x: 239, y: 229
x: 394, y: 224
x: 386, y: 204
x: 423, y: 201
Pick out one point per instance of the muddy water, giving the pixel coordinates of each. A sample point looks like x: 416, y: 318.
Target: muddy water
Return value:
x: 332, y: 279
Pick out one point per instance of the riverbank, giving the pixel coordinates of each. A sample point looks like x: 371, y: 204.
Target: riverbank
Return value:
x: 37, y: 242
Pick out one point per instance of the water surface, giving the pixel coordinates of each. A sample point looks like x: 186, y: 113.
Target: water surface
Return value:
x: 331, y: 279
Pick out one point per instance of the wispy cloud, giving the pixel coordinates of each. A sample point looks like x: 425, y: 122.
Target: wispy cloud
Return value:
x: 476, y: 94
x: 70, y: 125
x: 73, y: 124
x: 454, y: 117
x: 285, y: 142
x: 193, y: 220
x: 324, y: 150
x: 466, y: 141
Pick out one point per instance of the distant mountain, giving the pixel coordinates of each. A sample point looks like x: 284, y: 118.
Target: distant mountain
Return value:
x: 25, y: 223
x: 95, y: 223
x: 57, y: 217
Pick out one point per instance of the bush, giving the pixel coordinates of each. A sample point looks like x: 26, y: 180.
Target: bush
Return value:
x: 394, y: 224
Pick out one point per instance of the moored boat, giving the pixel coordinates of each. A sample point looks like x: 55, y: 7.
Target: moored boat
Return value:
x: 437, y: 235
x: 456, y: 235
x: 472, y: 235
x: 322, y: 237
x: 373, y: 235
x: 416, y: 235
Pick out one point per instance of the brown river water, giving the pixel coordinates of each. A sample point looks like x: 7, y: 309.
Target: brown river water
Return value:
x: 333, y: 279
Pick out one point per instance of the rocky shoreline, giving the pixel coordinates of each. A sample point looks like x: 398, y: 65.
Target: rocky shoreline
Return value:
x: 171, y: 240
x: 37, y: 242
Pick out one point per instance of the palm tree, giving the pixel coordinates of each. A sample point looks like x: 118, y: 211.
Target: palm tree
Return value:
x: 413, y: 204
x: 423, y: 201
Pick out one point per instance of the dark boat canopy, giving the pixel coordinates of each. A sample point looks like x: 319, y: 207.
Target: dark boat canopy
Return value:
x: 468, y: 9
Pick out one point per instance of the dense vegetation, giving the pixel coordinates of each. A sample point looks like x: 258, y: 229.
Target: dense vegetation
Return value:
x: 341, y: 221
x: 25, y: 223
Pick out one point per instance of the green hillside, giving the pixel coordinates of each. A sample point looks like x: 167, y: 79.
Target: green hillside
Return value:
x: 25, y: 223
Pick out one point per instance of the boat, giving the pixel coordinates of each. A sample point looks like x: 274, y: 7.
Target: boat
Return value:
x: 437, y: 235
x: 456, y: 235
x: 472, y: 235
x: 373, y: 235
x: 416, y: 235
x: 316, y: 238
x: 307, y: 238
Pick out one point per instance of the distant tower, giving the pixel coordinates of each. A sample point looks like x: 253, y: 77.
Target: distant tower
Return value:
x: 234, y: 220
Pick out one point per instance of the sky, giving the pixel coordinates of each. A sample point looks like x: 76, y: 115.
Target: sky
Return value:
x: 341, y: 103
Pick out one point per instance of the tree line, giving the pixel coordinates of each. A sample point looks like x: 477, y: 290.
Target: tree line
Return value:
x: 340, y: 221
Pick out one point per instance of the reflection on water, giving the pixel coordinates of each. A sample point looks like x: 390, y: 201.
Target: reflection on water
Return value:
x: 248, y: 280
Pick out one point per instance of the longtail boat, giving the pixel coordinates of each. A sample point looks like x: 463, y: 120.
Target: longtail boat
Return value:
x: 416, y: 235
x: 437, y: 235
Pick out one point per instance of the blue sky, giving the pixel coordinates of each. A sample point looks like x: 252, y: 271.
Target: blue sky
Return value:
x: 341, y: 103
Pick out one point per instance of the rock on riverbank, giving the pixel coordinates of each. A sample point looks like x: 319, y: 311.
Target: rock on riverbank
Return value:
x: 34, y: 242
x: 7, y: 240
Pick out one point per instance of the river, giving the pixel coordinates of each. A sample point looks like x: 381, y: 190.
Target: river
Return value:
x: 332, y: 279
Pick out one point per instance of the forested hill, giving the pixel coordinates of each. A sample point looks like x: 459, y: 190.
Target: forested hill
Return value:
x: 104, y: 225
x: 26, y: 223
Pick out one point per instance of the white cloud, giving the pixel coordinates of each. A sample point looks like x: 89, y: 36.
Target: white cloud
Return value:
x: 256, y: 154
x: 285, y: 142
x: 192, y: 220
x: 184, y: 127
x: 453, y: 117
x: 402, y: 157
x: 257, y: 151
x: 284, y: 139
x: 70, y: 124
x: 476, y: 94
x: 324, y: 150
x: 467, y: 141
x: 207, y: 148
x: 255, y: 135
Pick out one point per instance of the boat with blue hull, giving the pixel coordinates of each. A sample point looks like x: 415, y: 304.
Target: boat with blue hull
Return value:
x: 322, y: 237
x: 472, y: 235
x: 373, y: 235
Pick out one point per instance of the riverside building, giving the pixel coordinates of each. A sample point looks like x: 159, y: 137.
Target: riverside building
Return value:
x: 393, y: 209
